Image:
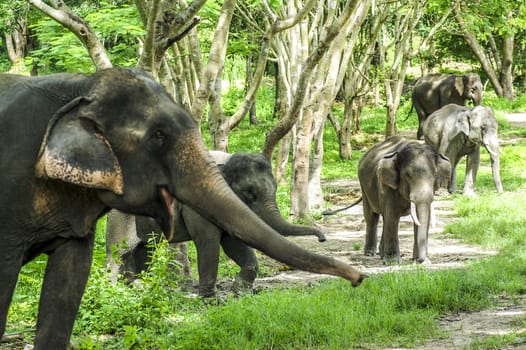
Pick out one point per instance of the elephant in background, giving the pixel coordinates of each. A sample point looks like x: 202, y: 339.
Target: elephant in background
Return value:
x: 398, y: 177
x: 433, y: 91
x: 74, y: 146
x: 458, y: 131
x: 250, y: 177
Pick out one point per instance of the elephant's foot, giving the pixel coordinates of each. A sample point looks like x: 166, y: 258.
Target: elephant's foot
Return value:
x: 391, y: 259
x: 469, y: 192
x: 369, y: 251
x: 244, y: 281
x: 242, y: 287
x: 424, y: 261
x: 207, y: 291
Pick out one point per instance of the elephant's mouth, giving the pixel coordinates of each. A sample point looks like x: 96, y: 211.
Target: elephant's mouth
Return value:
x: 169, y: 202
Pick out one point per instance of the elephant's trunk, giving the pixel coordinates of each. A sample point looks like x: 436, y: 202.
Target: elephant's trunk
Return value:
x: 491, y: 144
x: 270, y: 213
x: 199, y: 184
x: 423, y: 213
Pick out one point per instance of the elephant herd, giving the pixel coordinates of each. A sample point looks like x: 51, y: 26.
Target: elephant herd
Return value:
x: 74, y: 148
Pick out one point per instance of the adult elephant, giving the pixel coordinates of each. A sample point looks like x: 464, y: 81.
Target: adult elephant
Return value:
x: 74, y: 146
x: 398, y: 177
x: 458, y: 131
x: 250, y: 177
x: 433, y: 91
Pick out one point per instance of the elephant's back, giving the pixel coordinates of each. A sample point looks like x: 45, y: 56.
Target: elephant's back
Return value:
x: 369, y: 161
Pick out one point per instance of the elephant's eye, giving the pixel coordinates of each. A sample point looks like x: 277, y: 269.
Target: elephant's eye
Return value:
x: 159, y: 137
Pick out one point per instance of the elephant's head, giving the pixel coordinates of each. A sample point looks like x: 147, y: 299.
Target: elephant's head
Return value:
x: 250, y: 177
x: 469, y: 86
x: 415, y: 171
x: 482, y: 127
x: 126, y: 138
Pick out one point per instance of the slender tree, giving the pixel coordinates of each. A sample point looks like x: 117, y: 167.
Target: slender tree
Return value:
x: 405, y: 16
x: 493, y: 25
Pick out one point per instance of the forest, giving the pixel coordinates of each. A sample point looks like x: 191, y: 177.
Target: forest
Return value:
x: 311, y: 84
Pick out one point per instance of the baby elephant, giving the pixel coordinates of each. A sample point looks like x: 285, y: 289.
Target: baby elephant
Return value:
x: 250, y: 177
x: 398, y: 177
x: 458, y: 131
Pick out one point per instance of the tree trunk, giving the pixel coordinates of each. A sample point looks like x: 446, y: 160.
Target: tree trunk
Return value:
x: 404, y: 24
x: 507, y: 66
x: 479, y: 51
x: 326, y: 37
x: 248, y: 82
x: 216, y: 118
x: 356, y: 82
x: 215, y: 60
x: 324, y: 84
x: 316, y: 161
x: 282, y: 157
x: 15, y: 43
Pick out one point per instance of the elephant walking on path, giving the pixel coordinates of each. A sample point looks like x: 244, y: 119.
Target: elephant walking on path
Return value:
x: 458, y: 131
x: 250, y: 177
x: 398, y: 177
x: 74, y: 146
x: 433, y: 91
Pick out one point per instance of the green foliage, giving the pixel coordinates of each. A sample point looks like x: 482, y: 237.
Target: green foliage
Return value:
x: 501, y: 225
x: 117, y: 26
x: 504, y: 104
x: 137, y: 314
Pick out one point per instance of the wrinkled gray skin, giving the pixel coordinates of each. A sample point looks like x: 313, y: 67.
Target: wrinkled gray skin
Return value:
x: 74, y: 146
x: 393, y: 174
x: 250, y: 177
x: 458, y: 131
x: 433, y: 91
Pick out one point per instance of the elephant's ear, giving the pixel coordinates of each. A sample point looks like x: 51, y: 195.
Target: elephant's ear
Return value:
x: 463, y: 123
x: 443, y: 173
x: 459, y: 84
x: 74, y: 150
x: 387, y: 171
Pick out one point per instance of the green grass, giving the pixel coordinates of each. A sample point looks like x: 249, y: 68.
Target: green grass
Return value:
x: 388, y: 310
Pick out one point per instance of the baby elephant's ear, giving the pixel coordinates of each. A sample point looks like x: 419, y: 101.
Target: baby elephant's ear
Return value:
x: 74, y: 150
x: 387, y: 172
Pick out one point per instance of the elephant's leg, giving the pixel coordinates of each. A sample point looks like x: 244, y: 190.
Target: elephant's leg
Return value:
x: 389, y: 245
x: 453, y: 180
x: 421, y: 119
x: 121, y: 235
x: 207, y: 239
x: 371, y: 222
x: 181, y: 256
x: 10, y: 262
x: 65, y: 278
x: 472, y: 165
x: 244, y: 256
x: 134, y: 261
x: 492, y: 147
x: 208, y: 262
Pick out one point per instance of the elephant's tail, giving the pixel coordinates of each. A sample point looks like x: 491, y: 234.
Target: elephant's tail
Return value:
x: 332, y: 212
x: 409, y: 113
